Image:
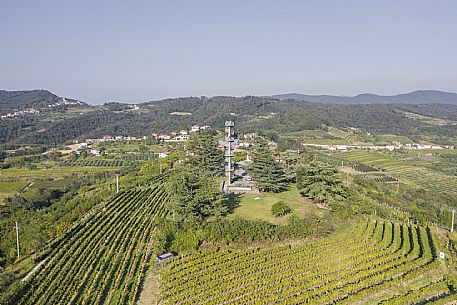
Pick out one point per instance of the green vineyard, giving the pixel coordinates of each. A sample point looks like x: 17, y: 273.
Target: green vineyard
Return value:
x: 102, y: 259
x: 379, y: 177
x: 109, y: 163
x: 364, y: 168
x: 407, y: 171
x: 380, y: 262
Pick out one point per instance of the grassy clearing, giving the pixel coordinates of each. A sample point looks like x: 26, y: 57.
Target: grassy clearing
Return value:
x: 258, y: 206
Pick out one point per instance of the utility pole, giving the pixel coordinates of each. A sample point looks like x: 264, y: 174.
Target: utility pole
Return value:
x: 347, y: 178
x: 117, y: 183
x: 342, y: 165
x: 452, y: 225
x: 17, y: 239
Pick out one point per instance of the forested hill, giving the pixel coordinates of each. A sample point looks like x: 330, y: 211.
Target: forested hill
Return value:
x: 11, y: 101
x: 416, y: 97
x: 59, y: 125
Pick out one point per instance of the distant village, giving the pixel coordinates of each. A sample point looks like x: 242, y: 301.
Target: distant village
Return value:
x: 182, y: 135
x: 19, y: 113
x: 394, y: 146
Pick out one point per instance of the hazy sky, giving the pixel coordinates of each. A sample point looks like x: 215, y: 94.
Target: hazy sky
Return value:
x: 131, y: 51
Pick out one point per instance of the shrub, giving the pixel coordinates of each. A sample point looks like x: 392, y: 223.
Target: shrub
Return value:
x: 280, y: 208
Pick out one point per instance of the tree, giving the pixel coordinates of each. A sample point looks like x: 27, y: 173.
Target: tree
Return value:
x: 195, y: 198
x: 322, y: 182
x: 268, y: 174
x: 206, y: 156
x: 280, y: 208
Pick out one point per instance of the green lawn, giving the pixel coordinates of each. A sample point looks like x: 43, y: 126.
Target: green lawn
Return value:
x: 258, y: 206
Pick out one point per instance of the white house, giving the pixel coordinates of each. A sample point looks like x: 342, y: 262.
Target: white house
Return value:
x: 164, y: 154
x: 95, y: 152
x: 204, y: 127
x: 341, y: 147
x: 182, y: 138
x: 250, y: 136
x: 195, y: 128
x: 164, y: 137
x: 183, y: 132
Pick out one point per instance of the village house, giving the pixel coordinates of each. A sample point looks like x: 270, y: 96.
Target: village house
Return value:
x: 195, y: 128
x: 164, y: 154
x: 182, y: 138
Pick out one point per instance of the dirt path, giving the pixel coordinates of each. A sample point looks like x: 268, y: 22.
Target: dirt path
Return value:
x: 34, y: 269
x: 150, y: 289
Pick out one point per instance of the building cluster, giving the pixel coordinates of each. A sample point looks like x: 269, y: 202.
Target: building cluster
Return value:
x: 87, y: 144
x: 108, y: 138
x: 182, y: 135
x: 423, y: 146
x: 19, y: 113
x: 64, y: 101
x: 394, y: 146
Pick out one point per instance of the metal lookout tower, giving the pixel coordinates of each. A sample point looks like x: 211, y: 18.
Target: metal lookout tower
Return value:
x: 228, y: 151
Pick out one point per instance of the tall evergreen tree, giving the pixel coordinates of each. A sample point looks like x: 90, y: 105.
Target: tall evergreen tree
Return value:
x: 268, y: 174
x: 195, y: 198
x: 205, y: 154
x: 321, y: 181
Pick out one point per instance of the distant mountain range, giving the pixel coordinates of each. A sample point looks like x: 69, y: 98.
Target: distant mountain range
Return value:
x: 31, y: 98
x: 415, y: 97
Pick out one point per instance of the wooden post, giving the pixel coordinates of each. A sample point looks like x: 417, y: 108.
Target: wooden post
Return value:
x: 17, y: 240
x: 452, y: 224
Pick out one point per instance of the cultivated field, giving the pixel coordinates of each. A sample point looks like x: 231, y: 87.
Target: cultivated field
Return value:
x: 374, y: 262
x: 102, y: 258
x: 408, y: 171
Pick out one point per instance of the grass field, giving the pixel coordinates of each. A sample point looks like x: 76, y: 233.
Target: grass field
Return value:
x: 258, y: 206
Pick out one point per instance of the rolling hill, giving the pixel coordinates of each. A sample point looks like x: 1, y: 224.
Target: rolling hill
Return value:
x: 415, y: 97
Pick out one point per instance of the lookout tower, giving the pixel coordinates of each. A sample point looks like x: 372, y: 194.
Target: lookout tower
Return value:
x: 228, y: 151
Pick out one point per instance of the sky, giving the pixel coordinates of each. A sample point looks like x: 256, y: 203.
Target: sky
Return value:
x: 132, y: 51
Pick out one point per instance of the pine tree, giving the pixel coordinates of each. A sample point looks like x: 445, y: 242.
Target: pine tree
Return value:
x: 322, y: 182
x: 205, y: 155
x: 268, y: 174
x: 195, y: 198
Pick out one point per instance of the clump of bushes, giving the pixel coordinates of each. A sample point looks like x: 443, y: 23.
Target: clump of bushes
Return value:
x: 280, y: 208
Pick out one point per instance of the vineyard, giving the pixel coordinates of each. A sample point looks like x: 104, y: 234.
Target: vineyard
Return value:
x: 108, y: 163
x: 375, y: 262
x: 379, y: 177
x: 101, y: 259
x: 407, y: 171
x: 364, y: 168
